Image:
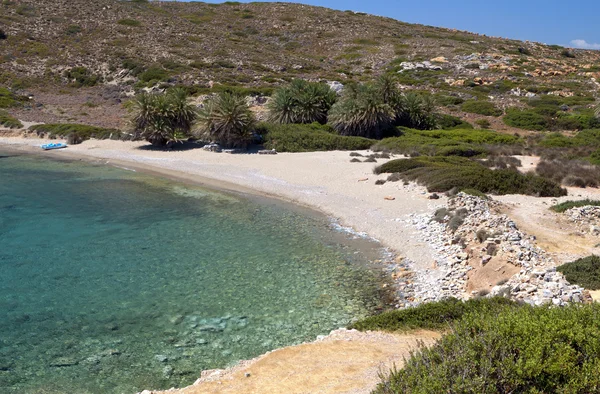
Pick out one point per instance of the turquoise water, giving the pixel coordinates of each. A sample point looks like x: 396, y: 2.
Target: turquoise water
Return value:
x: 114, y: 282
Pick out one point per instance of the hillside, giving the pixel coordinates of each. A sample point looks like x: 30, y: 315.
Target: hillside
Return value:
x: 70, y: 53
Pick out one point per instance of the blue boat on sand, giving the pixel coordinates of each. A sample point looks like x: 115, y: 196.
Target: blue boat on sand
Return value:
x: 57, y: 145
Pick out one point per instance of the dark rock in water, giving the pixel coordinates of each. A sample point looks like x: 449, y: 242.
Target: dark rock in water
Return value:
x: 6, y: 365
x: 112, y: 327
x: 63, y: 362
x: 434, y: 196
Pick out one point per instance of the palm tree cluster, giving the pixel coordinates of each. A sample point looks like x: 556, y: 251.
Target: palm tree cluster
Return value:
x: 367, y: 110
x: 163, y: 118
x: 227, y: 119
x: 301, y: 102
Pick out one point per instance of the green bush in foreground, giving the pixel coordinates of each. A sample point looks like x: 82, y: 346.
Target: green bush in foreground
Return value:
x: 432, y: 315
x: 440, y: 174
x: 481, y: 108
x: 9, y: 121
x: 583, y: 272
x: 512, y: 350
x: 527, y: 120
x: 562, y: 207
x: 308, y: 138
x: 79, y: 132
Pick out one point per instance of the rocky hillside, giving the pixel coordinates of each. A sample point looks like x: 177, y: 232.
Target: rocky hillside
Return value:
x: 67, y: 53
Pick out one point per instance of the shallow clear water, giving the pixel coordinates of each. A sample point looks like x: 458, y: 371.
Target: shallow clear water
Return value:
x: 114, y: 282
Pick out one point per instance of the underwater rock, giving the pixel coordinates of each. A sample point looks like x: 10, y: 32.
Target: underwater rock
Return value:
x: 63, y: 362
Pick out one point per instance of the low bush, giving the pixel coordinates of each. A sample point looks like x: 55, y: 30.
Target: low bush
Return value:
x: 81, y: 76
x: 153, y: 75
x: 445, y: 101
x: 441, y: 174
x: 430, y: 316
x: 9, y: 99
x: 442, y: 142
x: 526, y: 120
x: 509, y: 350
x: 308, y: 138
x: 576, y: 173
x: 483, y: 123
x: 9, y: 121
x: 129, y: 22
x: 481, y: 108
x: 562, y: 207
x: 449, y: 122
x: 583, y: 272
x: 77, y: 132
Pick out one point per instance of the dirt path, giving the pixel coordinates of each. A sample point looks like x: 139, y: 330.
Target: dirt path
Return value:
x: 554, y: 232
x: 345, y: 362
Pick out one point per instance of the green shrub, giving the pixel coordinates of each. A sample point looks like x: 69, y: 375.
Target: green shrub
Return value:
x: 446, y: 101
x: 595, y: 157
x: 449, y: 122
x: 583, y: 272
x: 129, y: 22
x: 308, y: 138
x: 483, y: 123
x: 73, y: 30
x: 562, y: 207
x: 9, y: 99
x: 84, y: 132
x: 9, y: 121
x: 481, y: 108
x: 526, y: 120
x: 153, y: 75
x: 441, y: 174
x: 431, y: 142
x: 431, y: 315
x: 512, y: 350
x: 81, y: 76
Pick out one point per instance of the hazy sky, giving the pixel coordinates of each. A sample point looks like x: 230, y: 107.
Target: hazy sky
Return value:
x: 575, y: 24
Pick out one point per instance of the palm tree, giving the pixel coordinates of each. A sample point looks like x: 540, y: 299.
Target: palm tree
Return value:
x: 162, y: 119
x: 301, y: 102
x: 361, y: 112
x: 416, y: 111
x: 227, y: 119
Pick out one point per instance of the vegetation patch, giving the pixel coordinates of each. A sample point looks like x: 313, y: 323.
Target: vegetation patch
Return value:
x: 81, y: 76
x: 431, y: 316
x: 481, y: 108
x: 9, y: 121
x: 583, y: 272
x: 443, y: 142
x: 565, y: 206
x: 511, y: 350
x: 441, y: 174
x: 9, y: 99
x: 129, y: 22
x: 154, y: 75
x: 75, y: 133
x: 308, y: 138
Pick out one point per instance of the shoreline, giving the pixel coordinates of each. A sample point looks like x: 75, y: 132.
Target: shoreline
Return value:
x: 351, y: 200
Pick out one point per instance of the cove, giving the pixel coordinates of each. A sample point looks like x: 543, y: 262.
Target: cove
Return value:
x: 113, y: 281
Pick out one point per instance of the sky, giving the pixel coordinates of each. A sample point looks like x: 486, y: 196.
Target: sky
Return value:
x: 551, y: 21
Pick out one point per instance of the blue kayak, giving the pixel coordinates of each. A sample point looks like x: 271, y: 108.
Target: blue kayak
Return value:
x: 57, y: 145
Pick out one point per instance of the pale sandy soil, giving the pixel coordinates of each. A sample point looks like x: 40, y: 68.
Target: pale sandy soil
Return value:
x: 346, y: 362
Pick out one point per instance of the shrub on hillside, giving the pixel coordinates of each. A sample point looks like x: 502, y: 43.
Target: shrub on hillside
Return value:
x: 81, y: 131
x: 526, y: 120
x: 583, y: 272
x: 9, y: 99
x: 153, y: 75
x: 512, y: 350
x: 308, y: 138
x: 449, y: 122
x: 441, y: 174
x: 81, y: 76
x: 432, y: 315
x: 481, y: 108
x: 9, y: 121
